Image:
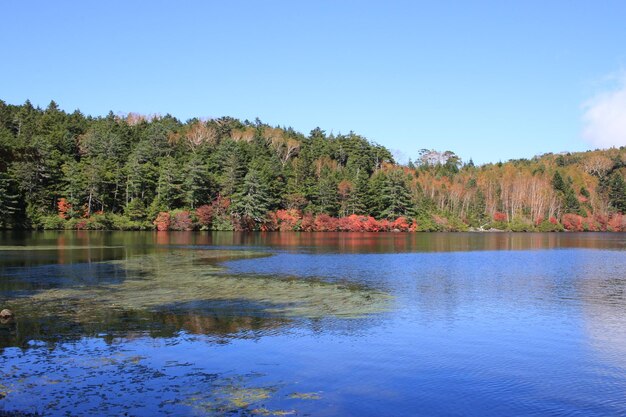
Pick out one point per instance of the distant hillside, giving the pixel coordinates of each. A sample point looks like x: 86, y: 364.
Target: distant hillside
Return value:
x: 67, y: 170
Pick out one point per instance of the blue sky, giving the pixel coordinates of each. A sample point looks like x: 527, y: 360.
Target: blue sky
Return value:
x: 488, y: 80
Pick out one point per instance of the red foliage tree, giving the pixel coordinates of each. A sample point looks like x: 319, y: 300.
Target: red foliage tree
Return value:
x: 288, y: 219
x: 64, y: 208
x: 352, y: 223
x: 81, y: 225
x: 401, y: 224
x: 499, y: 216
x: 325, y: 223
x: 308, y: 222
x: 162, y: 221
x: 205, y: 215
x: 220, y: 205
x: 617, y: 223
x: 573, y: 222
x: 589, y: 224
x: 271, y: 222
x: 601, y: 221
x: 371, y: 225
x: 384, y: 225
x: 181, y: 221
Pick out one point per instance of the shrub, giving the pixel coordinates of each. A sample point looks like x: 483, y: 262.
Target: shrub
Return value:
x: 52, y: 222
x: 325, y: 223
x: 617, y: 223
x: 519, y: 224
x: 456, y: 225
x: 288, y: 219
x: 162, y: 221
x: 180, y: 220
x: 401, y: 224
x: 121, y: 222
x: 573, y: 222
x: 98, y: 221
x: 307, y: 224
x: 372, y: 225
x: 426, y: 224
x: 499, y: 217
x: 222, y: 223
x: 549, y: 226
x: 205, y: 216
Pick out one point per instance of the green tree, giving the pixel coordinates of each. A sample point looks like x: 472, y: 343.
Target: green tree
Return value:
x: 617, y: 191
x: 136, y: 209
x: 251, y: 201
x: 170, y: 187
x: 197, y: 182
x: 396, y: 197
x: 567, y: 195
x: 8, y: 200
x: 376, y: 203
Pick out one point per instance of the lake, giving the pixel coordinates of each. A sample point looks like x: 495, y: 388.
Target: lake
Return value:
x: 313, y: 324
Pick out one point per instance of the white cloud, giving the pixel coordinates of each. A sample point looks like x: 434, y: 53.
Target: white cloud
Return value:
x: 604, y: 118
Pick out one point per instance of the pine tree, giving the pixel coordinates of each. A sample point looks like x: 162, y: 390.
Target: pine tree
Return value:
x: 8, y: 200
x: 358, y: 198
x: 170, y: 190
x: 327, y: 196
x: 396, y: 196
x: 251, y: 201
x: 568, y: 196
x: 617, y: 191
x: 376, y: 203
x: 197, y: 184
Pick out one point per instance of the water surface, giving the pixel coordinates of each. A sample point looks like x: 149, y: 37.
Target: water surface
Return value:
x: 319, y: 324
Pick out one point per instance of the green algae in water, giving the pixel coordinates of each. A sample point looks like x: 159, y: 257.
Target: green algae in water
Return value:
x: 4, y: 391
x: 109, y: 380
x: 266, y: 412
x: 242, y: 397
x: 186, y: 279
x: 232, y: 396
x: 55, y: 248
x: 305, y: 396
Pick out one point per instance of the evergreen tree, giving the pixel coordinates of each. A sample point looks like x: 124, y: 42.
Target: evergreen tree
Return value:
x: 233, y: 168
x: 170, y: 189
x: 327, y: 196
x: 136, y: 209
x: 8, y: 200
x: 557, y: 182
x: 568, y: 197
x: 197, y: 183
x: 396, y: 196
x: 357, y: 204
x: 376, y: 203
x: 617, y: 191
x: 251, y: 201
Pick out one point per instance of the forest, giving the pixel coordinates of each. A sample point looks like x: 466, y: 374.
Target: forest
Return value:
x: 61, y: 170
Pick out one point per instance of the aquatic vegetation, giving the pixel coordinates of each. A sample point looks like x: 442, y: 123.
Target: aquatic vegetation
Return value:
x: 184, y: 281
x: 88, y: 378
x: 241, y: 397
x: 305, y: 395
x: 266, y: 412
x: 4, y: 391
x: 194, y: 275
x: 28, y: 248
